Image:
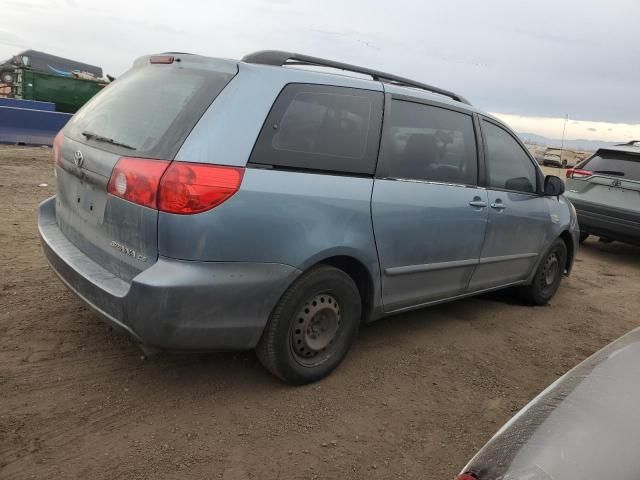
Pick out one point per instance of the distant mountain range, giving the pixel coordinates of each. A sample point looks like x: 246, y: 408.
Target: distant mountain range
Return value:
x: 580, y: 144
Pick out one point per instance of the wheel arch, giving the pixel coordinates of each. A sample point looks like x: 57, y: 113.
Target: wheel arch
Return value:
x: 360, y: 275
x: 363, y: 276
x: 567, y: 238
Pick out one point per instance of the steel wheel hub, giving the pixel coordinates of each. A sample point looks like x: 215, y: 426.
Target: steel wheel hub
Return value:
x: 315, y: 326
x: 551, y: 269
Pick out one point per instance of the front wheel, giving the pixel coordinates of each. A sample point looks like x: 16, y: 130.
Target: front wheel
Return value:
x: 548, y: 275
x: 312, y: 327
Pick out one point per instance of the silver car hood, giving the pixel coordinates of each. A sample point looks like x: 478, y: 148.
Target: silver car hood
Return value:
x: 586, y: 425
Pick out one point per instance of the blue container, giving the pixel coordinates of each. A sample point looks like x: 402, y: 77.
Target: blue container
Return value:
x: 32, y: 104
x: 26, y: 126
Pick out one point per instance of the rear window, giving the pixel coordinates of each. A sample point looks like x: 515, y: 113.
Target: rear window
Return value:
x: 149, y: 110
x: 614, y: 164
x: 321, y: 127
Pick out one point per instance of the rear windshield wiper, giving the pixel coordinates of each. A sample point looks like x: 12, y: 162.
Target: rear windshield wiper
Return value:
x: 610, y: 172
x: 111, y: 141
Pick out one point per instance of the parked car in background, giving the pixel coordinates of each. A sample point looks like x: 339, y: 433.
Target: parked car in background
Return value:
x: 551, y: 159
x: 536, y: 151
x: 605, y: 190
x: 209, y: 204
x: 586, y: 425
x: 558, y: 158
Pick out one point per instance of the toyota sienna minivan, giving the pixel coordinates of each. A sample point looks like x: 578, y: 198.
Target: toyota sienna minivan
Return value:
x: 271, y: 203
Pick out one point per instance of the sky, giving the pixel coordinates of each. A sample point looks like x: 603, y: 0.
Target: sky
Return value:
x: 529, y: 62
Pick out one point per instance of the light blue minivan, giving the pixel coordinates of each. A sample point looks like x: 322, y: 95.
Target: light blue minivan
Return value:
x: 270, y: 203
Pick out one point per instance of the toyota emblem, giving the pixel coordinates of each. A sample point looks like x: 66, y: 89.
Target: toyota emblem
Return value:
x: 78, y: 158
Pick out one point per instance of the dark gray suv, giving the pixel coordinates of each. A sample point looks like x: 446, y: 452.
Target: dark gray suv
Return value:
x: 605, y: 189
x: 209, y: 204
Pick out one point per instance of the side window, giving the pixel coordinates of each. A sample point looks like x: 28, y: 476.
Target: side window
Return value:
x: 321, y: 127
x: 509, y: 166
x: 429, y: 143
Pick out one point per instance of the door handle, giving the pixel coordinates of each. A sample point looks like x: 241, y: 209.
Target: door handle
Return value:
x: 478, y: 203
x: 498, y: 205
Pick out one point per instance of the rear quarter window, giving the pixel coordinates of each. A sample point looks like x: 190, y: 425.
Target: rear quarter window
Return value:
x: 321, y: 127
x: 151, y: 109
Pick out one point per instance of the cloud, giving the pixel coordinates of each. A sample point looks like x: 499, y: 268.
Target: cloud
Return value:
x: 510, y: 57
x: 552, y: 127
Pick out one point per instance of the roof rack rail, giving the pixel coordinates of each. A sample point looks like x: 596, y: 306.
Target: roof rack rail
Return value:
x: 280, y: 58
x: 631, y: 143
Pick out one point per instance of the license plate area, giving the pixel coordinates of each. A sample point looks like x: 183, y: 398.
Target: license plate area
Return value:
x: 89, y: 202
x: 82, y: 198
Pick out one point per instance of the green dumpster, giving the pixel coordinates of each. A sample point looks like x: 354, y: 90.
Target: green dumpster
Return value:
x: 69, y: 94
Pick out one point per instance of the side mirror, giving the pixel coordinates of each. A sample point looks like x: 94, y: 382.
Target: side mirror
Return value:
x: 553, y: 186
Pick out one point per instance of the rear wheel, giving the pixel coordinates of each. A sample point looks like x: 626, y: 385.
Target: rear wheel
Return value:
x: 548, y: 276
x: 312, y: 327
x: 564, y: 164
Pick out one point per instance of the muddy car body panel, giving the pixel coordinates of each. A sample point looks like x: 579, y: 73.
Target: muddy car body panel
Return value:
x: 174, y: 304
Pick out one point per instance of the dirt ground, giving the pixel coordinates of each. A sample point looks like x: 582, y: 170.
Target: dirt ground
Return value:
x: 418, y: 394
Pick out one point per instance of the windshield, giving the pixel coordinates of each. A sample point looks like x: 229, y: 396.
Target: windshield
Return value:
x: 149, y: 111
x: 613, y: 163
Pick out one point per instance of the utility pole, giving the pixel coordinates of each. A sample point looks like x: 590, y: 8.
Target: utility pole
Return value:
x: 566, y: 119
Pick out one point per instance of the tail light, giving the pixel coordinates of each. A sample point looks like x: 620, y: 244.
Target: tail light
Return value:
x: 577, y: 173
x: 161, y: 59
x: 57, y: 148
x: 195, y: 187
x: 173, y: 187
x: 466, y: 476
x: 137, y: 180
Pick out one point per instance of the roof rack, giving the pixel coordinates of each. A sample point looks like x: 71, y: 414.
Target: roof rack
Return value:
x: 280, y: 58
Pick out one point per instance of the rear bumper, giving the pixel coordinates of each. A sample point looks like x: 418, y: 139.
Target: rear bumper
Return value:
x: 604, y: 225
x: 174, y: 304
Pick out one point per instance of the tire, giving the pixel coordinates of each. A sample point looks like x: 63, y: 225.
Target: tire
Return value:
x: 548, y: 275
x: 7, y: 77
x: 564, y: 164
x: 583, y: 237
x: 327, y: 327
